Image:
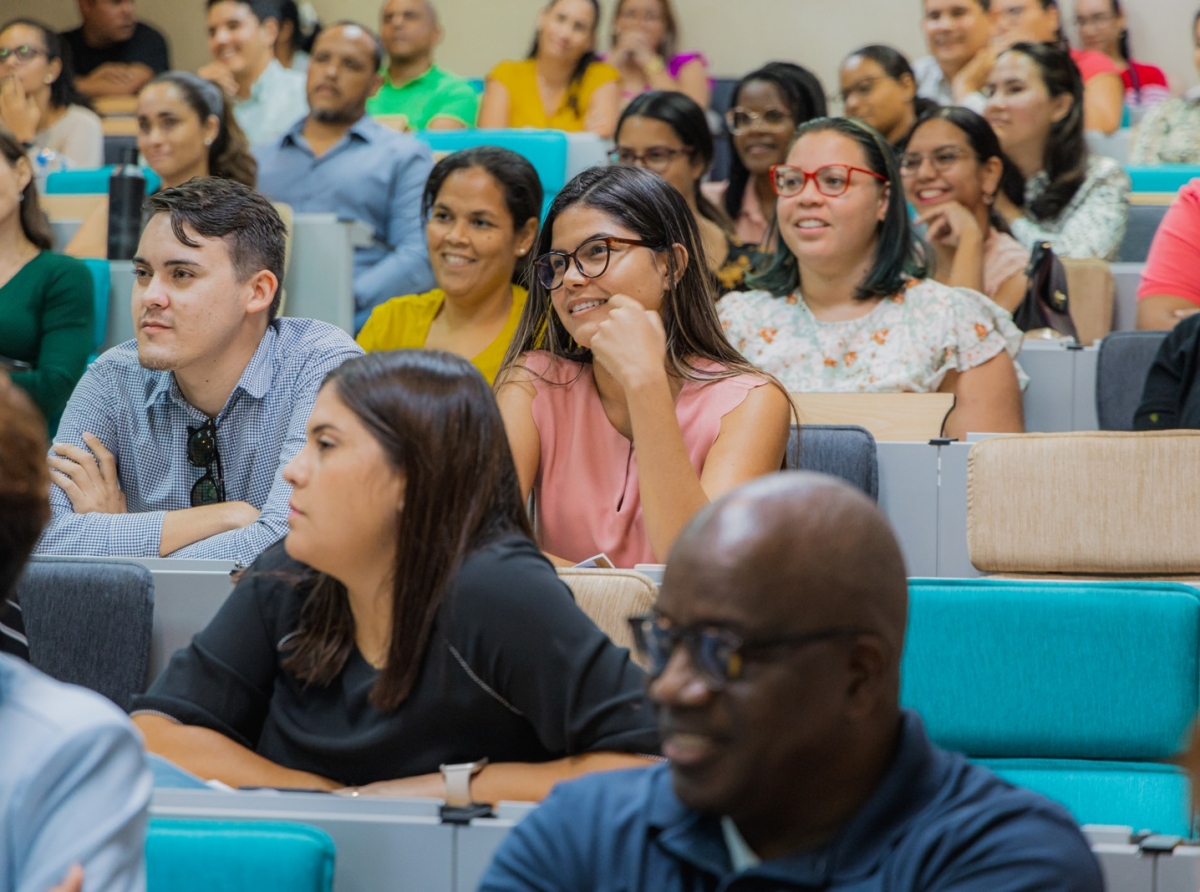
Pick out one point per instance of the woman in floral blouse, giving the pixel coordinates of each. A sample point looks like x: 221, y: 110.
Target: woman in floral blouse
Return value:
x: 845, y: 306
x: 1170, y: 132
x: 1076, y: 201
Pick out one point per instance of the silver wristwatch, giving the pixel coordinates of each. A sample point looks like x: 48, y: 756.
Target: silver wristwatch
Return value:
x: 458, y: 781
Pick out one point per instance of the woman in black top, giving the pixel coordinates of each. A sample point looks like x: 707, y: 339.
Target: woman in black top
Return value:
x: 405, y: 505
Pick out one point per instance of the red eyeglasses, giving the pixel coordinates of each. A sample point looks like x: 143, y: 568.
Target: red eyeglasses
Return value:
x: 832, y: 180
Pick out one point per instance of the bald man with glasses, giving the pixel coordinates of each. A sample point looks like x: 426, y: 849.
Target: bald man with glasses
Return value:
x: 774, y: 654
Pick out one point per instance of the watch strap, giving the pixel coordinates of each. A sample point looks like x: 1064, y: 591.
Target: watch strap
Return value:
x: 458, y: 781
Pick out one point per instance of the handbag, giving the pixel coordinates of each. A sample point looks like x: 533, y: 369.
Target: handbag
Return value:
x: 1046, y: 303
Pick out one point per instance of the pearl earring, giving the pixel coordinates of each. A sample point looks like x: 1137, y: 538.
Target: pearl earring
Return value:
x: 208, y: 142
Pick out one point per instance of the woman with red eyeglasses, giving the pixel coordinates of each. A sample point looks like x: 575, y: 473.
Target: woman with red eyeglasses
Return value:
x: 846, y: 305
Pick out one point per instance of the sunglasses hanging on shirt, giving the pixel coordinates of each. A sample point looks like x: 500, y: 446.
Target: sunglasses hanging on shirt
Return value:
x: 202, y: 453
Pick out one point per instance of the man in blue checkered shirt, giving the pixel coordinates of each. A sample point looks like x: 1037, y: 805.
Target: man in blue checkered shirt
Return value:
x: 172, y: 444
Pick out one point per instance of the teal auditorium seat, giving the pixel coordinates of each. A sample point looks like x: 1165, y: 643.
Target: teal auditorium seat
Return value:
x: 237, y: 856
x: 101, y: 283
x: 92, y: 181
x: 1078, y: 690
x: 546, y: 150
x: 1161, y: 177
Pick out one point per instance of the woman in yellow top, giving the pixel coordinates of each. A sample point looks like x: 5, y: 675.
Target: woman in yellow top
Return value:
x: 561, y: 86
x: 481, y: 207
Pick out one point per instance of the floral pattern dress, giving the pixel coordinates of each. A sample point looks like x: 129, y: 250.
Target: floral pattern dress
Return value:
x: 906, y: 344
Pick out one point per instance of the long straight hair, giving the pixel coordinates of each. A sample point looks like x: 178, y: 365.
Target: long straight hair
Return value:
x: 581, y: 67
x: 689, y: 123
x: 805, y: 98
x: 439, y: 427
x: 33, y: 222
x: 899, y: 251
x: 655, y: 212
x: 1065, y: 157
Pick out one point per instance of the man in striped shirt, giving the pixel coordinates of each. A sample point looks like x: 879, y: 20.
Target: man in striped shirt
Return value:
x: 173, y: 443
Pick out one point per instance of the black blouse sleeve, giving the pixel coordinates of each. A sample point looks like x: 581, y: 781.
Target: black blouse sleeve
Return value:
x: 1170, y: 380
x: 517, y: 628
x: 224, y: 679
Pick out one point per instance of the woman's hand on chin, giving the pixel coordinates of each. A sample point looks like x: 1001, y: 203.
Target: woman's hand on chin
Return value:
x: 948, y: 223
x: 631, y: 343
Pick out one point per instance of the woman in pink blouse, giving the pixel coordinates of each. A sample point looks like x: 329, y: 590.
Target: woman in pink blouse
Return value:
x: 626, y: 408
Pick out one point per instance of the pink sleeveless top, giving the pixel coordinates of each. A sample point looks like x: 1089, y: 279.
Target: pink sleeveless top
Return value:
x: 586, y: 490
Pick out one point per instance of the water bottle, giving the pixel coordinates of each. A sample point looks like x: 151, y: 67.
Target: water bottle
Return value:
x: 126, y: 191
x: 46, y: 162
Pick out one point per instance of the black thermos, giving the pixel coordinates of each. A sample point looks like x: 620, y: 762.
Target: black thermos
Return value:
x: 126, y: 191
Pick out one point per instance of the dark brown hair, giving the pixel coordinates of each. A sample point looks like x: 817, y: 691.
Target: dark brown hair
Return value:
x: 437, y: 422
x: 33, y: 222
x: 63, y: 92
x: 575, y: 84
x: 229, y: 210
x: 655, y: 211
x: 24, y: 483
x: 229, y: 155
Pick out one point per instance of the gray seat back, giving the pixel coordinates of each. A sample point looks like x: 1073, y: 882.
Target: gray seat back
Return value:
x: 842, y: 450
x: 1121, y: 367
x: 1143, y: 223
x: 88, y: 623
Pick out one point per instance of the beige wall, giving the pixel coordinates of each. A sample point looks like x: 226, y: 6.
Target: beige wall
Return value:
x: 816, y: 33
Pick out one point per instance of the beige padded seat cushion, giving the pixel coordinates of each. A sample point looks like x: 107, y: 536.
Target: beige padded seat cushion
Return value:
x: 610, y: 597
x: 1085, y: 503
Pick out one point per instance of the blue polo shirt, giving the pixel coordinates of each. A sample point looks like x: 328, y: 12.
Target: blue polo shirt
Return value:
x: 936, y: 822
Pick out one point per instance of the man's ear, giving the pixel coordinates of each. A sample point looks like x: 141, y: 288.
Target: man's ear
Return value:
x: 262, y: 288
x: 870, y: 668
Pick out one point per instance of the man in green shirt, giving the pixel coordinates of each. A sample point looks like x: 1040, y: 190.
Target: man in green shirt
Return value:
x: 416, y: 94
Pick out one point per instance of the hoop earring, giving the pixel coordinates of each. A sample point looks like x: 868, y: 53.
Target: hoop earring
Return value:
x: 989, y: 198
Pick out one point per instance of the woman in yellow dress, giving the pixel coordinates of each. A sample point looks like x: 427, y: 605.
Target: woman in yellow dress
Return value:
x: 481, y: 207
x: 561, y: 85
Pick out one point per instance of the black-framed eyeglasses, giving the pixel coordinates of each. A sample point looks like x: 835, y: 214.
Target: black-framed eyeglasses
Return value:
x: 655, y: 158
x: 23, y: 53
x: 739, y: 120
x: 719, y: 654
x: 591, y: 259
x: 202, y: 453
x: 832, y: 180
x: 941, y: 159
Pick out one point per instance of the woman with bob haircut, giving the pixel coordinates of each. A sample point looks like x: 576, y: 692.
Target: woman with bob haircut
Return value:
x: 845, y: 306
x: 1073, y: 199
x: 481, y: 207
x: 626, y: 408
x: 952, y: 172
x: 668, y: 134
x: 404, y: 622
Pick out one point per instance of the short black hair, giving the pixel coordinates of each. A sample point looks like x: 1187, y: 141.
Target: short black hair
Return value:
x: 262, y: 9
x: 215, y: 207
